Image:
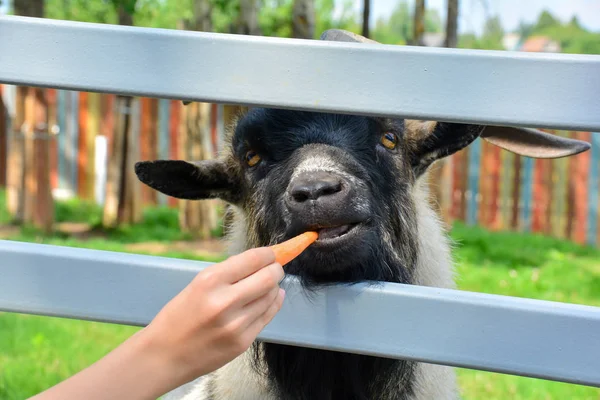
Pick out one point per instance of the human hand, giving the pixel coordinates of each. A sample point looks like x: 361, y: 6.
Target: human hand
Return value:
x: 219, y: 314
x: 210, y: 322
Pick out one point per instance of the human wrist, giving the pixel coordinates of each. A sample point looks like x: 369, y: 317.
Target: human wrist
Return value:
x: 156, y: 361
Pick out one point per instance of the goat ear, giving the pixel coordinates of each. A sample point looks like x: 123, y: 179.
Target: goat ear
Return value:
x: 532, y: 142
x: 191, y: 180
x: 429, y: 141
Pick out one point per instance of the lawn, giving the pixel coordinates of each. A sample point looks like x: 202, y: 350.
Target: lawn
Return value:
x: 37, y: 352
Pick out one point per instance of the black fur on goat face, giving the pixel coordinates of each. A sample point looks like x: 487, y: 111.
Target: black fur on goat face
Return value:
x: 348, y: 177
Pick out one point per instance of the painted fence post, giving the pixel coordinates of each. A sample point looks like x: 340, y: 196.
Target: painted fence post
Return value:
x: 593, y: 187
x: 100, y: 163
x: 82, y: 154
x: 163, y: 150
x: 526, y: 193
x: 174, y: 153
x: 3, y: 138
x: 460, y: 175
x: 72, y: 141
x: 559, y: 193
x: 581, y: 179
x: 474, y: 166
x: 148, y: 141
x: 62, y: 139
x: 220, y: 128
x: 506, y: 187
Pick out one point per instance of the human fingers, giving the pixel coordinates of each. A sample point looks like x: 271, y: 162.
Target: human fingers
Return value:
x: 263, y: 320
x: 251, y: 311
x: 241, y: 318
x: 258, y: 284
x: 244, y: 264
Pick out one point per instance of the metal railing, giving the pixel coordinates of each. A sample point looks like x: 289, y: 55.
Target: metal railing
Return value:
x: 542, y: 339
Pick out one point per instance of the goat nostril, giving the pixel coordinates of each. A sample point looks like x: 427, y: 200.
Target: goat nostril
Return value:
x: 314, y: 188
x: 300, y: 194
x: 331, y: 189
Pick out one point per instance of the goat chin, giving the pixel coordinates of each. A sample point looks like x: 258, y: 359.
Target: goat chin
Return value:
x: 238, y: 381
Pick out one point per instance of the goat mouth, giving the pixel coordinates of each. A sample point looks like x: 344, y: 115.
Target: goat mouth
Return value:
x: 331, y: 234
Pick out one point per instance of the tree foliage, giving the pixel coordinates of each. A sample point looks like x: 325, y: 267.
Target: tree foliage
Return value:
x: 398, y: 27
x: 493, y: 32
x: 573, y: 38
x: 101, y: 11
x: 491, y: 38
x: 348, y: 19
x: 275, y: 19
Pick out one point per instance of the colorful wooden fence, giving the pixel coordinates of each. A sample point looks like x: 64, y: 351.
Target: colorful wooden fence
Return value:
x: 480, y: 185
x: 503, y: 191
x: 86, y: 122
x: 4, y: 118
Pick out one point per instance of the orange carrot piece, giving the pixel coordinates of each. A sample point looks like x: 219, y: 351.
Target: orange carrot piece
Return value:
x: 290, y: 249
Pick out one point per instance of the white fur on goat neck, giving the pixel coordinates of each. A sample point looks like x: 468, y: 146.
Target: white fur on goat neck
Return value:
x: 238, y: 381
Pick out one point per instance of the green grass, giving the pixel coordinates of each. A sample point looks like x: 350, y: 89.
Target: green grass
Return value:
x: 77, y: 210
x: 37, y: 352
x: 4, y: 215
x: 524, y: 265
x: 529, y: 266
x: 159, y: 224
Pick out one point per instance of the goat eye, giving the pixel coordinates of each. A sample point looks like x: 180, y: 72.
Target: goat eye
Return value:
x: 389, y: 140
x: 252, y: 158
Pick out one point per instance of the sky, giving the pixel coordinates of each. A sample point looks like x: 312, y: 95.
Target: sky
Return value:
x: 473, y: 12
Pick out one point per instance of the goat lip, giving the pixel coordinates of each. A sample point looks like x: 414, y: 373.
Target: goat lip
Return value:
x: 334, y: 233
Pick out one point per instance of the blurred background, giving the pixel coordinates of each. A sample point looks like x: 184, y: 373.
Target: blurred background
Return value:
x: 522, y: 227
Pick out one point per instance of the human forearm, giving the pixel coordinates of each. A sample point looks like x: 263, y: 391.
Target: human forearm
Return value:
x: 135, y: 370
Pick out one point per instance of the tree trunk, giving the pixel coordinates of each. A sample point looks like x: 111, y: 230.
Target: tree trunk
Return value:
x: 29, y: 197
x: 3, y: 139
x: 248, y: 19
x: 366, y: 16
x: 29, y: 8
x: 419, y: 23
x: 121, y: 204
x: 202, y: 21
x: 198, y: 218
x: 125, y: 18
x: 452, y: 24
x: 303, y: 19
x: 16, y: 152
x: 247, y: 24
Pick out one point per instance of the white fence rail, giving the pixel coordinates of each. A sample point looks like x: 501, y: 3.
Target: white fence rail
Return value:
x: 557, y: 91
x: 533, y: 338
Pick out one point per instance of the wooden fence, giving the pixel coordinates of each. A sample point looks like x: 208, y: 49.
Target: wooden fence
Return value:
x: 499, y: 190
x: 480, y: 185
x: 86, y: 121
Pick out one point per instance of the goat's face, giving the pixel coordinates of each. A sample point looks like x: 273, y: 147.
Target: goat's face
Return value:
x: 351, y: 178
x: 347, y: 177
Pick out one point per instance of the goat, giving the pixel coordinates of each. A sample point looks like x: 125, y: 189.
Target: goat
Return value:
x: 362, y: 183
